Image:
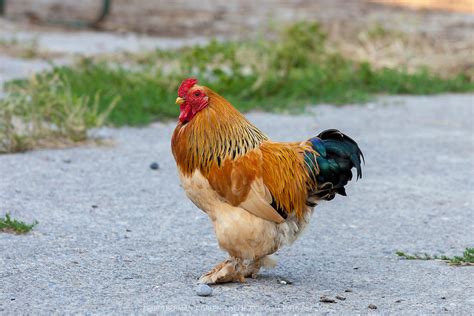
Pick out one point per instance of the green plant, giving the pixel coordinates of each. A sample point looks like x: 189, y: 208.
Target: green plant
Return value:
x: 466, y: 259
x: 9, y: 225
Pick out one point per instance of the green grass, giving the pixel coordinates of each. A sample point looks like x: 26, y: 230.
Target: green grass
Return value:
x: 467, y: 258
x: 9, y: 225
x: 284, y: 74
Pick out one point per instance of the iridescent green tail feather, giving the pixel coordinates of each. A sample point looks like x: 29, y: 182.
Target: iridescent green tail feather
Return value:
x: 332, y: 167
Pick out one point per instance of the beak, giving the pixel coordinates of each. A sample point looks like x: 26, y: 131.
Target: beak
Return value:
x: 180, y: 101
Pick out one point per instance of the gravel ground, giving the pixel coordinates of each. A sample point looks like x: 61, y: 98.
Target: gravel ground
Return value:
x: 115, y: 236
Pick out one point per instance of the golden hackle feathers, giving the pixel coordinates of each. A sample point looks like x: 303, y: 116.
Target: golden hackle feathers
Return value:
x: 216, y: 133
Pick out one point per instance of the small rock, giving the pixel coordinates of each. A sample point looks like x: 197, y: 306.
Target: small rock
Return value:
x: 398, y: 301
x: 324, y: 299
x: 372, y: 306
x: 443, y: 297
x: 154, y: 166
x: 347, y: 290
x: 284, y: 282
x: 341, y: 298
x: 203, y: 290
x: 95, y: 206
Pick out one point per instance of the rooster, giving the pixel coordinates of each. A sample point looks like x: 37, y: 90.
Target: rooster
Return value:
x: 259, y: 194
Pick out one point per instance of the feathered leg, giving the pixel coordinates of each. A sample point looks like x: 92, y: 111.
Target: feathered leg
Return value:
x: 226, y: 271
x: 235, y: 269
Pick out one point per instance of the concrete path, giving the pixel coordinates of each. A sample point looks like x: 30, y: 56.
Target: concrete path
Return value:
x: 115, y: 236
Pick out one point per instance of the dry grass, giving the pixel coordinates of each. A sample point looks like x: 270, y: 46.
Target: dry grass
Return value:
x: 382, y: 47
x: 28, y: 49
x: 36, y: 116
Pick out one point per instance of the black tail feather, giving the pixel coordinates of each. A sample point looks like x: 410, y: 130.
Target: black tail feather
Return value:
x: 337, y: 155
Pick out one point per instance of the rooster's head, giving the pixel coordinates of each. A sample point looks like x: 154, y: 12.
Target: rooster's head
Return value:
x: 191, y: 99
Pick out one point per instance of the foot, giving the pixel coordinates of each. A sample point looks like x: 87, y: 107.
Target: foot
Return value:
x: 232, y: 269
x: 226, y: 271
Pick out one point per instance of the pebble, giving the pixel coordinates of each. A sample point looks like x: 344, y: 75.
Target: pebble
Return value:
x: 284, y: 282
x: 325, y: 299
x: 203, y: 290
x: 154, y: 166
x: 372, y: 306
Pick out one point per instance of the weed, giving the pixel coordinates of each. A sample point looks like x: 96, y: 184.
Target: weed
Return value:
x: 9, y: 225
x: 467, y: 259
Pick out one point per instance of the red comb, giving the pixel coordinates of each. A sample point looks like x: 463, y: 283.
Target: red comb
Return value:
x: 185, y: 86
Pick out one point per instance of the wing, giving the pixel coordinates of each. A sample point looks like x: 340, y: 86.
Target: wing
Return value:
x: 269, y: 182
x: 259, y: 202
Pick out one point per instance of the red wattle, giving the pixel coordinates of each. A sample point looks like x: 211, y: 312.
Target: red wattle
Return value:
x: 186, y: 112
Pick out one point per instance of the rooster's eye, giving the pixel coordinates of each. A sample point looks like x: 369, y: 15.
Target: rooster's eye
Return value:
x: 197, y: 93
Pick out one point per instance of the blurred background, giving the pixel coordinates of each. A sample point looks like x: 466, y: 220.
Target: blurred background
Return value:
x: 122, y: 60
